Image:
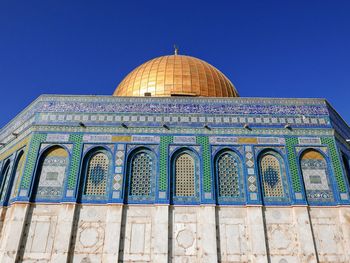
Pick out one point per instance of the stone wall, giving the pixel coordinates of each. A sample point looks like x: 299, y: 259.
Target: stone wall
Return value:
x: 159, y: 233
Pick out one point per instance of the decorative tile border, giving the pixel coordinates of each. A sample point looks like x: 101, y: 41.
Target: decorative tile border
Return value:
x: 34, y: 147
x: 309, y: 140
x: 108, y: 109
x: 338, y: 171
x: 163, y: 164
x: 251, y: 176
x: 75, y: 162
x: 57, y: 137
x: 118, y: 171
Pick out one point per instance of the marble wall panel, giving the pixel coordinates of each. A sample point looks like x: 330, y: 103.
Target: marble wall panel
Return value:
x: 329, y: 237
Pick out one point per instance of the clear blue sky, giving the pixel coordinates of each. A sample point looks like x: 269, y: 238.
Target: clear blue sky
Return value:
x: 267, y: 48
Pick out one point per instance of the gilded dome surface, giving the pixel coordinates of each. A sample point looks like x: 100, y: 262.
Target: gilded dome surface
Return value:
x: 176, y: 75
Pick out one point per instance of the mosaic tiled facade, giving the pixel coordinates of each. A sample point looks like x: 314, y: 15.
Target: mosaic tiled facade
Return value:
x: 273, y: 177
x: 6, y: 176
x: 316, y: 176
x: 95, y: 183
x: 19, y: 169
x: 96, y: 176
x: 142, y: 176
x: 51, y: 173
x: 228, y: 175
x: 160, y: 179
x: 248, y: 170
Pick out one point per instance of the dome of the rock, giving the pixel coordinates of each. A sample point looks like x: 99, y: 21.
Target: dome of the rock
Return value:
x: 176, y: 75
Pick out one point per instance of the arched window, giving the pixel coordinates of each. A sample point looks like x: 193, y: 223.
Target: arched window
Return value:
x: 96, y: 174
x: 5, y: 176
x: 186, y: 176
x: 229, y: 176
x: 50, y: 175
x: 346, y: 166
x: 273, y: 177
x: 17, y: 179
x: 142, y: 173
x: 316, y: 176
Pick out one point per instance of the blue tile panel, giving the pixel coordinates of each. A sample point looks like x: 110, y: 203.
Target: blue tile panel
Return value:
x: 207, y: 127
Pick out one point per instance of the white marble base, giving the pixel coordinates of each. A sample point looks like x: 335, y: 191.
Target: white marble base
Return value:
x: 159, y: 233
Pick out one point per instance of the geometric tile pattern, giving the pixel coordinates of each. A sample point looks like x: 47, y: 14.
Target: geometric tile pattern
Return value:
x: 163, y: 162
x: 293, y: 163
x: 271, y: 176
x: 118, y: 168
x: 183, y: 106
x: 31, y: 159
x: 96, y: 177
x: 51, y: 174
x: 18, y: 172
x: 309, y: 140
x: 9, y: 151
x: 229, y: 169
x: 291, y: 143
x: 316, y: 177
x: 220, y: 120
x: 184, y: 175
x: 249, y: 161
x: 338, y: 171
x: 207, y: 182
x: 186, y: 119
x: 75, y: 160
x: 141, y: 172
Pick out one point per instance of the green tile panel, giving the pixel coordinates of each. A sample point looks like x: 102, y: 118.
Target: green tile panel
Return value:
x: 293, y: 163
x: 34, y: 147
x: 204, y: 142
x: 77, y: 140
x: 338, y: 171
x: 163, y: 162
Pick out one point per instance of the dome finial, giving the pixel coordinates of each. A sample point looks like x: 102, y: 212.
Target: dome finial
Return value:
x: 176, y: 49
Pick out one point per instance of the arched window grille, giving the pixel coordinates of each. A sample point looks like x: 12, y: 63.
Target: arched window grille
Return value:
x: 229, y: 176
x: 18, y: 172
x: 96, y: 175
x: 185, y: 168
x: 184, y: 174
x: 5, y: 176
x: 142, y: 173
x: 51, y: 172
x: 316, y: 176
x: 273, y: 177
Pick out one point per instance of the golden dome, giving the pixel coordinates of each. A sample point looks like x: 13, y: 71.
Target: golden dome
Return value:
x: 176, y: 75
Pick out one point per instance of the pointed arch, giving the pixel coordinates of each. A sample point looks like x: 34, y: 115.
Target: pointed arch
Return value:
x: 315, y: 172
x: 142, y: 165
x: 273, y: 178
x: 185, y: 176
x: 229, y: 176
x: 5, y: 177
x: 50, y: 174
x: 19, y: 164
x: 347, y: 167
x: 95, y: 175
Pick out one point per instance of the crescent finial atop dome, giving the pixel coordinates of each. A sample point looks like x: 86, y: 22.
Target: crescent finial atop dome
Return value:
x: 176, y: 50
